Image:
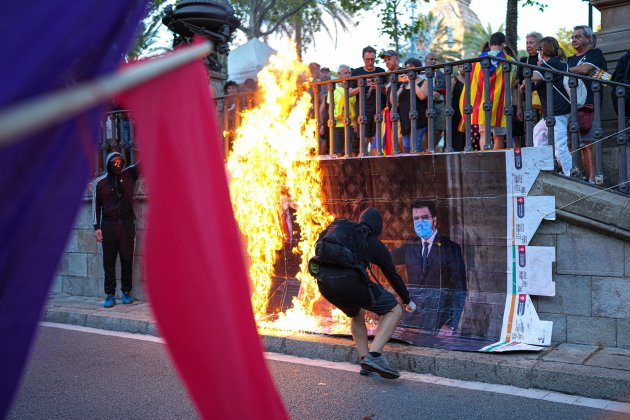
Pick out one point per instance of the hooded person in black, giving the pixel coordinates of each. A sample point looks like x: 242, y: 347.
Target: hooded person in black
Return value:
x: 347, y: 289
x: 114, y: 223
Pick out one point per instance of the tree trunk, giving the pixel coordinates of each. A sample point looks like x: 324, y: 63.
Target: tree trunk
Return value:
x: 298, y: 38
x: 511, y: 24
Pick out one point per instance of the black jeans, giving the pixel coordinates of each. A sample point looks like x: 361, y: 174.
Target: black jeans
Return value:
x: 119, y: 238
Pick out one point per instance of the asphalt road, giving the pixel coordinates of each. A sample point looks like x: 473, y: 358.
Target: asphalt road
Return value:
x: 81, y: 375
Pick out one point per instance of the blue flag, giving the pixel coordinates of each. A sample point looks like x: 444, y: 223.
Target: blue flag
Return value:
x: 47, y: 46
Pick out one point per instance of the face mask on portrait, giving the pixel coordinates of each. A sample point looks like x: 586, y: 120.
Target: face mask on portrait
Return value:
x: 423, y: 228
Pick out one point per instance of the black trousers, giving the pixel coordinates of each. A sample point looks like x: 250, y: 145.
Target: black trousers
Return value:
x: 118, y: 239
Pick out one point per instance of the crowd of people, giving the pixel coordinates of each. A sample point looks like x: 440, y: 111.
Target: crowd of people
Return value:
x: 396, y: 106
x: 541, y: 51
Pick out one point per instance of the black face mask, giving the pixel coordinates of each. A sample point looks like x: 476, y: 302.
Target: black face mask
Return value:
x: 116, y: 170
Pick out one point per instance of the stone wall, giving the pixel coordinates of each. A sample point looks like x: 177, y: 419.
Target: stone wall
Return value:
x: 592, y: 276
x: 592, y: 272
x: 80, y: 272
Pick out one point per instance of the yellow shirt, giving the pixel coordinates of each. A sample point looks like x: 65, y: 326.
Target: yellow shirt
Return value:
x: 340, y: 104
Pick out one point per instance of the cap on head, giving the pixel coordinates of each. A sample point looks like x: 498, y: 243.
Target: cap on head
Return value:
x: 373, y: 219
x: 390, y: 53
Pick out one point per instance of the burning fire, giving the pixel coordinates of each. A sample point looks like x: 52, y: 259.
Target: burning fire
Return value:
x: 274, y: 150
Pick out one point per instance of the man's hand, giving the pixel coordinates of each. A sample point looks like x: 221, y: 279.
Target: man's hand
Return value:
x: 99, y: 235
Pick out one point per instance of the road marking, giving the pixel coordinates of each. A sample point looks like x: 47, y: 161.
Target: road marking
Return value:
x: 537, y: 394
x: 142, y: 337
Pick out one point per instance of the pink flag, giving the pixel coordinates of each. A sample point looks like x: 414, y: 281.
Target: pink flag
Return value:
x: 194, y: 267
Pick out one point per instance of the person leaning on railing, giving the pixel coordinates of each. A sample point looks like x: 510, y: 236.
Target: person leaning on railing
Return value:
x: 404, y: 106
x: 588, y: 61
x: 340, y: 106
x: 548, y: 51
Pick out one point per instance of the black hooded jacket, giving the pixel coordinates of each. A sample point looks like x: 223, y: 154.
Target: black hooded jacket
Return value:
x: 377, y: 253
x: 112, y: 193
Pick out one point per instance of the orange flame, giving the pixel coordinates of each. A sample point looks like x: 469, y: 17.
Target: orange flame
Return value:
x: 275, y: 150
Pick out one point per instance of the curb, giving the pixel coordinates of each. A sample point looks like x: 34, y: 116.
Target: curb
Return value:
x: 565, y: 370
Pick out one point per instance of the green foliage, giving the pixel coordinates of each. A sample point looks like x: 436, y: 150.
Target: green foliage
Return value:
x: 144, y: 43
x: 299, y: 19
x: 564, y: 39
x: 475, y: 38
x: 391, y: 25
x: 540, y: 4
x: 305, y: 24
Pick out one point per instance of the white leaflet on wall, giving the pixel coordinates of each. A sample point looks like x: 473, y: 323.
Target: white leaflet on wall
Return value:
x: 527, y: 327
x: 528, y: 213
x: 523, y: 165
x: 534, y: 270
x: 529, y: 269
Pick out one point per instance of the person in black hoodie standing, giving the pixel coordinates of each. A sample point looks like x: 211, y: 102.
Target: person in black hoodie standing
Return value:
x: 114, y: 223
x: 347, y: 290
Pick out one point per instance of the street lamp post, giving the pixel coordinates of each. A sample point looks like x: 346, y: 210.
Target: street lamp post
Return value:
x: 211, y: 19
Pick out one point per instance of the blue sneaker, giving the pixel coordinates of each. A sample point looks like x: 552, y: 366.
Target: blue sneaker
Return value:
x: 110, y: 301
x: 127, y: 298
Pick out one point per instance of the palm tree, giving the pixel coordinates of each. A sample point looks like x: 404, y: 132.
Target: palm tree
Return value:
x: 148, y: 34
x: 304, y: 25
x: 475, y: 38
x: 511, y: 19
x: 511, y: 24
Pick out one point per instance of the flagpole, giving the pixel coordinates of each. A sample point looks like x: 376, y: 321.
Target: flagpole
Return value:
x: 36, y: 114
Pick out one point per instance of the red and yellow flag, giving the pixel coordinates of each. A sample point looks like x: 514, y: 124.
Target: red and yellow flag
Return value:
x: 497, y: 93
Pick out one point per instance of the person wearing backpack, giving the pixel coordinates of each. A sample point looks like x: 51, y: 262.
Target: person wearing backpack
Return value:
x: 548, y: 51
x: 346, y: 284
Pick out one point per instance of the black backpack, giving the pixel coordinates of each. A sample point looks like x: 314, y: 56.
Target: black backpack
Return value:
x: 340, y: 244
x: 622, y: 75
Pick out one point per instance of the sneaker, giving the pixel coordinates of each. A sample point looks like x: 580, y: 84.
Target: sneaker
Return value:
x: 127, y: 298
x: 379, y: 365
x: 109, y: 301
x: 364, y: 372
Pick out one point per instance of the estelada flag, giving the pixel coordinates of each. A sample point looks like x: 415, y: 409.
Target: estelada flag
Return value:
x: 497, y: 93
x: 194, y: 266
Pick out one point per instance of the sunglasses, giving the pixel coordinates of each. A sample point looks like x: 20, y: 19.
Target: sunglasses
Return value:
x: 117, y: 163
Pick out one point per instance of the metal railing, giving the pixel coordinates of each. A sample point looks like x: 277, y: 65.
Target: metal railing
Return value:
x: 229, y: 109
x: 390, y: 80
x: 117, y: 135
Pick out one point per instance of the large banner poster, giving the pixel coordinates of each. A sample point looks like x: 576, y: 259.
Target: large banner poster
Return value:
x: 473, y: 286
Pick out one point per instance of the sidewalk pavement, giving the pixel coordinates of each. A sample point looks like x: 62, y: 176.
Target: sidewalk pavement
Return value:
x: 582, y: 370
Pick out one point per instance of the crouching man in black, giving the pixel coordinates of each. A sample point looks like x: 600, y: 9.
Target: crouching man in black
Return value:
x: 352, y: 292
